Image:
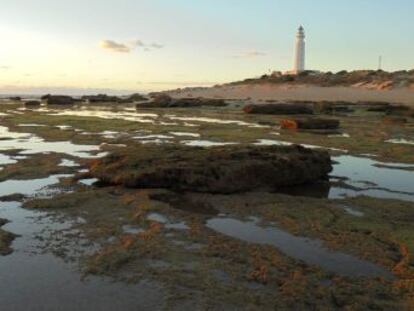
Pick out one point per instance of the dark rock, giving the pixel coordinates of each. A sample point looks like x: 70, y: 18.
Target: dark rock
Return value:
x: 279, y: 109
x: 227, y: 169
x: 15, y: 197
x: 59, y: 100
x: 32, y: 103
x: 394, y: 120
x: 310, y: 124
x: 326, y: 107
x: 100, y: 98
x: 165, y: 101
x: 6, y: 239
x: 16, y: 98
x: 136, y: 97
x: 389, y: 108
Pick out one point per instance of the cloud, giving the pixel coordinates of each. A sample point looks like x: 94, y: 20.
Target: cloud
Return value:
x: 4, y: 67
x: 129, y: 46
x: 115, y: 46
x: 156, y: 46
x: 250, y: 54
x: 137, y: 43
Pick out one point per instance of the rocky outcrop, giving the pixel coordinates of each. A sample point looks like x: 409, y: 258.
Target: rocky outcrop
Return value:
x: 227, y: 169
x: 136, y: 97
x: 15, y: 98
x: 100, y: 98
x: 5, y: 239
x: 279, y: 109
x: 59, y: 100
x: 331, y: 108
x: 165, y: 101
x: 32, y: 103
x: 310, y: 124
x: 391, y: 109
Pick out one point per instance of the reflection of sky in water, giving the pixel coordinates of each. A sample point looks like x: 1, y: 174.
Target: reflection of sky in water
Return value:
x: 31, y: 144
x: 27, y: 187
x: 204, y: 143
x: 108, y: 114
x: 400, y: 141
x: 362, y: 169
x: 217, y: 121
x: 308, y: 250
x: 42, y: 281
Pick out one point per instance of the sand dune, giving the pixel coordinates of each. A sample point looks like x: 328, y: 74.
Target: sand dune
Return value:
x: 316, y: 93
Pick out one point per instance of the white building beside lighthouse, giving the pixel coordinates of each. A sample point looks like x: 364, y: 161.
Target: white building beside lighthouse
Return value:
x: 299, y: 65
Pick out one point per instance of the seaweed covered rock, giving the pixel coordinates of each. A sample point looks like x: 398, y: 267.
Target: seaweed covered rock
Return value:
x: 5, y: 239
x: 32, y: 103
x: 337, y: 107
x: 136, y: 97
x: 15, y: 98
x: 391, y: 109
x: 100, y: 98
x: 59, y: 100
x: 279, y: 109
x: 165, y: 101
x: 227, y: 169
x: 310, y: 124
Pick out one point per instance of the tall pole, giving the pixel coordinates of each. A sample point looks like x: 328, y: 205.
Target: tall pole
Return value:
x: 300, y: 51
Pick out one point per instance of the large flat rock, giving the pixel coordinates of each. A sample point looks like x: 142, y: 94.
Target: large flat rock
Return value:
x: 226, y: 169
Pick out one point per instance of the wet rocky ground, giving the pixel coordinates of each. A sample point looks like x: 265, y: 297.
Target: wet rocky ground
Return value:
x: 75, y: 232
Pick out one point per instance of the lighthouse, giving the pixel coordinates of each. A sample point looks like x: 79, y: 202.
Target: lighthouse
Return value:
x: 300, y: 51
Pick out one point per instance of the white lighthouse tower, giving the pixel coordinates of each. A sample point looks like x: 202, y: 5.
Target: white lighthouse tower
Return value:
x: 300, y: 51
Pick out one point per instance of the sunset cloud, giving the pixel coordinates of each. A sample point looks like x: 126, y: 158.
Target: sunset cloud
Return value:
x: 4, y: 67
x: 129, y: 46
x: 114, y: 46
x: 250, y: 54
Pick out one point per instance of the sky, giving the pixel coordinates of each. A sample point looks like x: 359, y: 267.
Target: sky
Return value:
x: 142, y: 45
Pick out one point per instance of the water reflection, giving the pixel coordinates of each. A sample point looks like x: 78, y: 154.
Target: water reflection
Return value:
x: 365, y: 176
x: 32, y: 144
x: 308, y: 250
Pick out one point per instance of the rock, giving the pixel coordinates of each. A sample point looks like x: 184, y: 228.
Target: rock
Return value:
x: 394, y: 120
x: 376, y: 106
x: 59, y: 100
x: 400, y: 110
x: 5, y: 239
x: 32, y: 103
x: 100, y: 98
x: 165, y: 101
x: 279, y: 109
x: 310, y: 124
x: 333, y: 107
x: 15, y: 197
x: 391, y: 109
x: 16, y: 98
x: 227, y: 169
x: 136, y: 97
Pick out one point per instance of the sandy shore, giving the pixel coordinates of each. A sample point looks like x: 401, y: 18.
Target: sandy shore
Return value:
x: 272, y: 92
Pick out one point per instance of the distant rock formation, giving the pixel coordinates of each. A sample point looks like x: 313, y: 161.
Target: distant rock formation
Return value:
x: 59, y: 100
x: 279, y: 109
x: 166, y: 101
x: 32, y: 103
x: 310, y: 124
